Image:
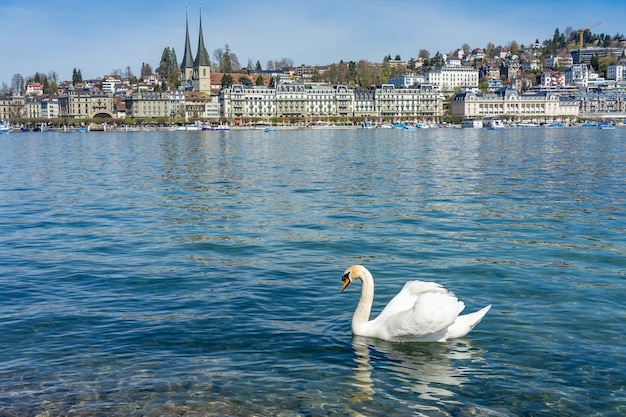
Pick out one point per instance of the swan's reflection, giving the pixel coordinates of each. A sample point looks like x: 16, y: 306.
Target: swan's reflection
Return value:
x: 427, y: 369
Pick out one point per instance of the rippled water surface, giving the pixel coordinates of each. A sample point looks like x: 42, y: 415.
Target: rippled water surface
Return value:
x: 198, y: 273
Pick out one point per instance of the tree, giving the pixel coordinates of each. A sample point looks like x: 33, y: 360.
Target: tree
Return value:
x: 227, y: 80
x: 423, y: 54
x: 603, y: 63
x: 337, y: 73
x: 168, y: 65
x: 284, y: 63
x: 77, y: 77
x: 146, y: 70
x: 258, y: 66
x: 260, y: 81
x: 437, y: 60
x: 175, y: 79
x: 128, y: 73
x: 17, y: 83
x: 245, y: 80
x: 53, y: 76
x: 368, y: 74
x: 226, y: 61
x: 352, y: 69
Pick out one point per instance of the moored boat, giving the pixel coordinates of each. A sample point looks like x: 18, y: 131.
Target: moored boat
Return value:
x: 471, y: 123
x: 493, y: 124
x: 5, y: 127
x: 605, y: 126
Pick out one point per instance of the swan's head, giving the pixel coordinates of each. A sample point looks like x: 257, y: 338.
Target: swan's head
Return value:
x: 352, y: 273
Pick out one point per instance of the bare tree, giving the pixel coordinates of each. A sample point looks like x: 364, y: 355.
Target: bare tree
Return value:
x: 17, y: 83
x: 53, y: 76
x: 368, y: 74
x: 424, y: 54
x: 225, y: 60
x: 128, y: 73
x: 284, y: 63
x: 218, y: 57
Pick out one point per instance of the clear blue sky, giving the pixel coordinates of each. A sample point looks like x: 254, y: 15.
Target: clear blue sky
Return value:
x: 98, y: 37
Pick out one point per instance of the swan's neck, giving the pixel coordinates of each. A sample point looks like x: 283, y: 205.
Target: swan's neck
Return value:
x: 362, y: 313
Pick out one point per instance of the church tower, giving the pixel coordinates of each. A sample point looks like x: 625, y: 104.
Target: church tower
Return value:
x: 186, y: 67
x: 202, y: 66
x: 196, y: 73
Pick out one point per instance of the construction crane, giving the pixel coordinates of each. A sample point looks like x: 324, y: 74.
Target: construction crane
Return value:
x: 582, y: 30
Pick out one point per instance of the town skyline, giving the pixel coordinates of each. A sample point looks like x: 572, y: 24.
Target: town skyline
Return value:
x: 99, y: 41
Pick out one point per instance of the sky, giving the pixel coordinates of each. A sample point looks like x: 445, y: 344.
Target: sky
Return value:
x: 99, y: 37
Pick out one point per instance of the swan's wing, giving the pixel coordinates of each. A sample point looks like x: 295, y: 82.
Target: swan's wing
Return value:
x: 407, y: 297
x: 427, y: 320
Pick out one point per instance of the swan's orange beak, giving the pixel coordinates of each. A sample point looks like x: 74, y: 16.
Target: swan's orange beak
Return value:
x: 346, y: 282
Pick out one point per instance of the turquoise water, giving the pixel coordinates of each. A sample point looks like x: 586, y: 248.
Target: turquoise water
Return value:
x: 198, y: 273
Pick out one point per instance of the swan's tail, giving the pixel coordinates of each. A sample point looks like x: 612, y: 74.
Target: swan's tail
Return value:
x: 464, y: 324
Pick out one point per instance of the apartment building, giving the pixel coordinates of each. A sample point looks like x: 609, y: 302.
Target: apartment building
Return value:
x: 450, y: 77
x: 616, y: 71
x: 11, y: 106
x: 155, y: 105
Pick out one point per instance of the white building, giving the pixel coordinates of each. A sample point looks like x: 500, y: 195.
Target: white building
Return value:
x: 32, y: 107
x: 109, y: 85
x: 450, y: 77
x: 509, y: 103
x: 552, y: 79
x: 238, y: 101
x: 616, y: 71
x: 406, y: 81
x: 50, y: 107
x: 296, y: 100
x: 555, y: 61
x: 34, y: 89
x: 579, y: 75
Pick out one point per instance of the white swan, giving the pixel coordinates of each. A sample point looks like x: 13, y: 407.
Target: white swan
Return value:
x: 421, y: 312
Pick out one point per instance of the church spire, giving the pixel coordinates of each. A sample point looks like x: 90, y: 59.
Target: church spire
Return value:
x: 187, y: 58
x: 202, y: 57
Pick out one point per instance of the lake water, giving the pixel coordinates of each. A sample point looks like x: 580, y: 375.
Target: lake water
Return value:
x: 199, y: 273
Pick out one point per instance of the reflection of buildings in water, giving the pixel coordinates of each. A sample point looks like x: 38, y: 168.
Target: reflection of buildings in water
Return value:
x: 423, y: 368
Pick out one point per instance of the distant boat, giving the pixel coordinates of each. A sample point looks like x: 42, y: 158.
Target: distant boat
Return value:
x: 5, y: 127
x: 605, y: 126
x: 188, y: 127
x: 471, y: 123
x: 526, y: 123
x: 269, y: 130
x: 216, y: 127
x: 493, y: 124
x: 81, y: 129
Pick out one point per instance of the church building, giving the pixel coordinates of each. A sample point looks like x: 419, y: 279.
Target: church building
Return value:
x: 196, y: 73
